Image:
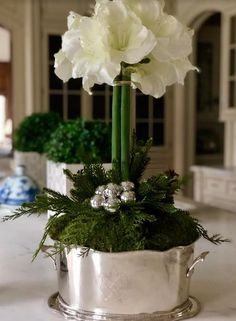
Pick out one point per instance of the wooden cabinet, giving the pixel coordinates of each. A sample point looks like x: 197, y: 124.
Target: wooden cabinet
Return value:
x: 5, y: 85
x: 215, y: 186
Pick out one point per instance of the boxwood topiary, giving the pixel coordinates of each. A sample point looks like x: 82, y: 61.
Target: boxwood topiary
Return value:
x: 76, y: 141
x: 34, y: 131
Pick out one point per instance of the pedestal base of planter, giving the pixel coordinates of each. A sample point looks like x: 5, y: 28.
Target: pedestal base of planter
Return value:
x: 187, y: 310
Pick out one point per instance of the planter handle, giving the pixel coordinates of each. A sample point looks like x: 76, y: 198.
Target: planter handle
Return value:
x: 45, y: 249
x: 198, y: 259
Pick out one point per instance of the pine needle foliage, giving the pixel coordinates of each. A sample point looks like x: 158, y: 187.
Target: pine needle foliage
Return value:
x: 139, y: 158
x: 151, y: 222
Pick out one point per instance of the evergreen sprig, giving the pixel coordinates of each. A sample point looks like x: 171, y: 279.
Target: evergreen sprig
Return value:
x: 139, y: 158
x: 86, y: 181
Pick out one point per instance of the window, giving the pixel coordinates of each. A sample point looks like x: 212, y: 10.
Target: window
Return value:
x: 150, y: 118
x: 228, y: 67
x: 64, y: 98
x: 102, y: 102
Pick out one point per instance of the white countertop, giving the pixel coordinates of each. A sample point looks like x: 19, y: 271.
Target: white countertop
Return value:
x: 25, y: 287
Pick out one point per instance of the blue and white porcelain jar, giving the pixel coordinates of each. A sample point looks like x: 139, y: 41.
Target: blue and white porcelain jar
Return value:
x: 18, y: 188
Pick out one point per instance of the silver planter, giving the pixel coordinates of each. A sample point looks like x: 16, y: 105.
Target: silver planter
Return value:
x: 137, y: 285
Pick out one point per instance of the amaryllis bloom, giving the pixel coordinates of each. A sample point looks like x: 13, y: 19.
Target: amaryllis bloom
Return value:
x: 89, y: 54
x: 117, y: 38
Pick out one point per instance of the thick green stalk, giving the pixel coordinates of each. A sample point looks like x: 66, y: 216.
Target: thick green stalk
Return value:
x: 125, y: 130
x: 116, y: 118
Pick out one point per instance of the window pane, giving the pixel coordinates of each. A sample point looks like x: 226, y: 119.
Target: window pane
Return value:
x: 74, y: 84
x: 205, y: 94
x: 158, y: 108
x: 54, y: 45
x: 141, y: 106
x: 142, y: 131
x: 98, y: 88
x: 56, y: 104
x: 233, y: 62
x: 99, y: 107
x: 54, y: 81
x: 233, y: 30
x: 232, y: 94
x: 158, y: 134
x: 110, y: 107
x: 74, y: 107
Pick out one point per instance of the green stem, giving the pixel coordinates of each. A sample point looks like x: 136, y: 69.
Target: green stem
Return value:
x: 116, y: 101
x: 125, y: 130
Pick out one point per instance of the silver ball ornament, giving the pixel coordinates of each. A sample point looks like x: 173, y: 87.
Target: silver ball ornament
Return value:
x: 127, y: 186
x: 112, y: 190
x: 128, y: 196
x: 100, y: 190
x: 112, y: 204
x: 97, y: 201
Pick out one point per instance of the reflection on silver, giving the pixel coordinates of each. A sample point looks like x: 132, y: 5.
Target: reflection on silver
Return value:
x: 189, y: 309
x: 126, y: 283
x: 200, y: 258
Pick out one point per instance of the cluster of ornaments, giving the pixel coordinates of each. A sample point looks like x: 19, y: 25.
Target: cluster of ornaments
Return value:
x: 111, y: 196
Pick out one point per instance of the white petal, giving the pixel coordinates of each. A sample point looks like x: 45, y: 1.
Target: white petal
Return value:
x: 63, y: 67
x: 153, y: 78
x: 174, y: 40
x: 147, y: 11
x: 73, y: 20
x: 181, y: 68
x: 129, y: 40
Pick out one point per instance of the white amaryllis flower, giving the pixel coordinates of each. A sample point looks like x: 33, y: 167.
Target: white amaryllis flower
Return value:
x: 125, y: 32
x: 153, y: 78
x: 89, y: 54
x: 96, y: 46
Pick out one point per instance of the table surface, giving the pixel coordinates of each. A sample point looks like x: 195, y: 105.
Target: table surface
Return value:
x: 25, y: 286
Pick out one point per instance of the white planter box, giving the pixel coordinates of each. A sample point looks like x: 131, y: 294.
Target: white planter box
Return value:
x: 57, y: 180
x: 35, y: 165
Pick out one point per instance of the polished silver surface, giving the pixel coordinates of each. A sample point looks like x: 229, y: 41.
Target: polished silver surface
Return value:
x: 124, y: 283
x: 189, y: 309
x: 200, y: 258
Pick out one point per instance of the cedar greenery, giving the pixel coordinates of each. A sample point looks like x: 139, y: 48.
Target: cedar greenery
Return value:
x: 152, y: 222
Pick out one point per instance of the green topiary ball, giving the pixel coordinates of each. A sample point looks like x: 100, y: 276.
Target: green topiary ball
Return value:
x: 34, y: 132
x: 76, y: 141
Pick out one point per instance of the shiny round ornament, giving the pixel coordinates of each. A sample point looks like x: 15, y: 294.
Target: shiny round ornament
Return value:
x: 112, y: 204
x: 97, y: 201
x: 128, y: 196
x: 127, y: 186
x: 100, y: 190
x: 112, y: 190
x: 116, y: 189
